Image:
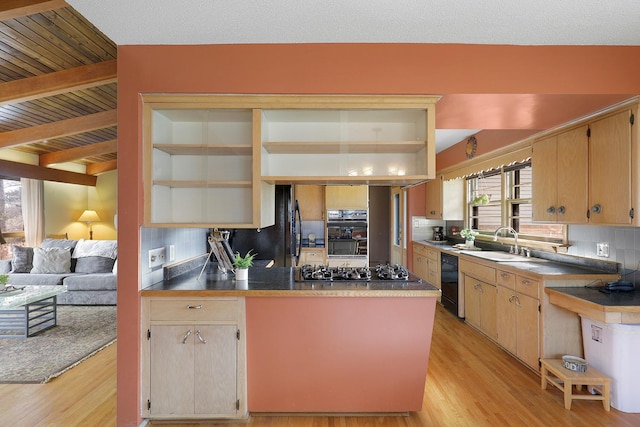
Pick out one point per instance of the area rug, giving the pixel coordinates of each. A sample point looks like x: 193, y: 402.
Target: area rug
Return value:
x: 81, y: 332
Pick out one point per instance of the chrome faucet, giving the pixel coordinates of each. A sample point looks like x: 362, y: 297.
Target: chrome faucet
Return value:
x: 512, y: 231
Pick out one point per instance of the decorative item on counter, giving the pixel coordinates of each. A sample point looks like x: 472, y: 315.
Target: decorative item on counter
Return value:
x: 4, y: 279
x: 242, y: 264
x: 469, y: 236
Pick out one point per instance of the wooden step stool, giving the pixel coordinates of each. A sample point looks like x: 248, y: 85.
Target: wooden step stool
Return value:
x: 565, y: 379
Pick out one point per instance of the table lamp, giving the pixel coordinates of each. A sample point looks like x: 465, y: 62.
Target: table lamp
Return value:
x: 89, y: 217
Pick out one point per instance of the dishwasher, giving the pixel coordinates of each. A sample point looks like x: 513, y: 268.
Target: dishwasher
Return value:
x: 449, y: 281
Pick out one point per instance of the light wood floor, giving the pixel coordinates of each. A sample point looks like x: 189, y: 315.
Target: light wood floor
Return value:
x: 471, y: 382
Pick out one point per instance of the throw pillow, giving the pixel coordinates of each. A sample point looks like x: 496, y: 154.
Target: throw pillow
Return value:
x: 5, y: 266
x: 22, y: 260
x: 51, y: 261
x: 102, y: 248
x: 94, y: 264
x: 59, y: 243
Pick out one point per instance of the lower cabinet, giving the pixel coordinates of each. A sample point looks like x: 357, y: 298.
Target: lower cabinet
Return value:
x: 193, y: 358
x: 313, y: 256
x: 518, y: 325
x: 420, y: 261
x: 480, y: 305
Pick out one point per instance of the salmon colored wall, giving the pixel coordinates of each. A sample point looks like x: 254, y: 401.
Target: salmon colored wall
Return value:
x: 338, y: 354
x: 318, y: 69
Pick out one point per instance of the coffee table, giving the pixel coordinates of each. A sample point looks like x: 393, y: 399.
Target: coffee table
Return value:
x: 28, y: 311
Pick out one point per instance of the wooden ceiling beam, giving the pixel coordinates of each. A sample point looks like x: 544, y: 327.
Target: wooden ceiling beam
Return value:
x: 98, y: 168
x: 23, y: 170
x: 59, y: 129
x: 97, y: 149
x: 50, y: 84
x: 11, y: 9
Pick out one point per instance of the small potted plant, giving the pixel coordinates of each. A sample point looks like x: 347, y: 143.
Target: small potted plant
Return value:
x: 469, y: 236
x: 242, y: 264
x: 4, y: 279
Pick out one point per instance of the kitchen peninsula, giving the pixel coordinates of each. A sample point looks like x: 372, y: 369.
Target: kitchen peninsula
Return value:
x: 308, y: 347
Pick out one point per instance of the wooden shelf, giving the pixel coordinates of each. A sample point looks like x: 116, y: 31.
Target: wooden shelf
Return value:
x: 198, y: 149
x: 337, y: 147
x: 348, y: 180
x: 202, y: 184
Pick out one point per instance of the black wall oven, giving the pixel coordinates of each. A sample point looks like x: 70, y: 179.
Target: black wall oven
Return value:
x: 449, y: 281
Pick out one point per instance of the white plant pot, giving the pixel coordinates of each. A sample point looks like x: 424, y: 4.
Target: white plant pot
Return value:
x: 470, y: 243
x: 242, y: 273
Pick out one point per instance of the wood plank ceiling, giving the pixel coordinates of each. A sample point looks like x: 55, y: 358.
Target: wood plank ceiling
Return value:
x: 58, y: 87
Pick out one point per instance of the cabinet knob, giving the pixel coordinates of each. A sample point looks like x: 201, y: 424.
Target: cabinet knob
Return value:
x: 561, y: 210
x: 551, y: 210
x: 596, y: 209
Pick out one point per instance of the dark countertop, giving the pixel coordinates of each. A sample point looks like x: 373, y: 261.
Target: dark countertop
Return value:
x: 594, y: 295
x: 537, y: 266
x: 279, y: 281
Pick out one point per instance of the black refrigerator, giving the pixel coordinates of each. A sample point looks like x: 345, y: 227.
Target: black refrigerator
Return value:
x: 279, y: 242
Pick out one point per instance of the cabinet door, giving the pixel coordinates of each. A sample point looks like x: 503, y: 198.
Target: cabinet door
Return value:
x: 215, y: 387
x: 544, y: 179
x: 312, y: 256
x: 488, y: 309
x: 573, y: 176
x: 172, y: 376
x: 311, y: 201
x: 528, y: 330
x: 610, y: 169
x: 434, y: 198
x: 347, y: 196
x: 506, y: 319
x: 472, y: 300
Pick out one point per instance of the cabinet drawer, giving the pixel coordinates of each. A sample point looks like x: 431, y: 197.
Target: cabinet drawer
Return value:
x: 506, y: 279
x: 482, y: 272
x: 433, y: 254
x: 420, y: 249
x: 312, y: 256
x: 194, y: 309
x: 527, y: 286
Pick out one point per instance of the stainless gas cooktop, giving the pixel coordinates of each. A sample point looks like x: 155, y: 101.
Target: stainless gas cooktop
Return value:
x: 382, y: 272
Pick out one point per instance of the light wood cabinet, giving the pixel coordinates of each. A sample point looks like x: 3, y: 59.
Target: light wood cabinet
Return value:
x: 610, y: 157
x: 584, y: 174
x: 433, y: 267
x: 193, y: 358
x: 313, y: 256
x: 560, y: 165
x: 518, y: 320
x: 201, y: 167
x: 420, y: 261
x: 311, y: 201
x: 480, y: 305
x: 433, y: 190
x: 345, y: 139
x: 346, y: 197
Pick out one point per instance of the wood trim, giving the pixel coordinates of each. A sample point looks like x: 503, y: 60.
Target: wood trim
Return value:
x: 10, y: 9
x: 59, y: 129
x: 97, y: 149
x: 98, y: 168
x: 50, y: 84
x: 23, y: 170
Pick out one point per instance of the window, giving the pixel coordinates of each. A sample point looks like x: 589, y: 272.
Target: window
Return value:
x: 11, y: 222
x: 509, y: 204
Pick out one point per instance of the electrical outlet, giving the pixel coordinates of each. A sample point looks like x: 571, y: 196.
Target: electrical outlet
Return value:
x: 602, y: 249
x: 172, y: 253
x: 156, y: 257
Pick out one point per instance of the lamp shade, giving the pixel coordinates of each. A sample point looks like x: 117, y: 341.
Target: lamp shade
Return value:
x: 89, y: 216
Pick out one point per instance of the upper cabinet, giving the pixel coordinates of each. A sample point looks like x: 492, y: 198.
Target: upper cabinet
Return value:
x: 201, y: 168
x: 560, y: 177
x: 213, y: 160
x: 311, y: 201
x: 587, y: 173
x: 346, y: 197
x: 349, y: 139
x: 433, y: 196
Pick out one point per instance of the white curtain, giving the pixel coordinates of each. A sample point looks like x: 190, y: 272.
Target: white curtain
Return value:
x: 33, y: 211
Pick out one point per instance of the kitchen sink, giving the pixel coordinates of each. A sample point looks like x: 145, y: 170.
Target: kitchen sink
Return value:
x: 499, y: 256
